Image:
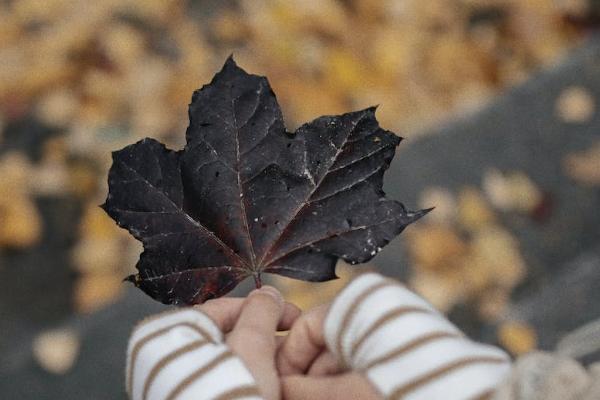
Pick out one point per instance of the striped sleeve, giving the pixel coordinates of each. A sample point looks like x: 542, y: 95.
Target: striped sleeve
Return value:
x: 180, y: 355
x: 405, y: 347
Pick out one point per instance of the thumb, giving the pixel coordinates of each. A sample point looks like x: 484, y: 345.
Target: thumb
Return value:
x: 347, y: 386
x: 253, y: 337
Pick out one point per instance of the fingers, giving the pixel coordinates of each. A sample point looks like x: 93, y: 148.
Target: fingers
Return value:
x: 226, y: 311
x: 261, y: 312
x: 303, y: 344
x: 291, y: 312
x: 324, y: 364
x: 253, y: 337
x: 340, y: 387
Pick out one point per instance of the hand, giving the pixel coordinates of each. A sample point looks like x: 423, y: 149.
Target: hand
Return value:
x: 250, y: 326
x: 309, y: 371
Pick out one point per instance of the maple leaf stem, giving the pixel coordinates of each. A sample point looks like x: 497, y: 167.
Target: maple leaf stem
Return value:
x: 257, y: 280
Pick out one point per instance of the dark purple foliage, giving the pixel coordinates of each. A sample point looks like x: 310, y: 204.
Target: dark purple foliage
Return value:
x: 245, y: 196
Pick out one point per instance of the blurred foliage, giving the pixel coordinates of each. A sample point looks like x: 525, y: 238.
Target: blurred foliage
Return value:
x: 98, y: 75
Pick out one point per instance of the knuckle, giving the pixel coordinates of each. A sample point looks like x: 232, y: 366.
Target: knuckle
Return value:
x: 261, y: 300
x: 249, y: 337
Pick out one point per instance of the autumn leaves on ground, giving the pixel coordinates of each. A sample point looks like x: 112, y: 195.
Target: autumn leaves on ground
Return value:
x: 110, y: 73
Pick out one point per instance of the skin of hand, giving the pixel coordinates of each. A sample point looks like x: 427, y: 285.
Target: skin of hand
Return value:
x: 309, y: 371
x: 250, y: 325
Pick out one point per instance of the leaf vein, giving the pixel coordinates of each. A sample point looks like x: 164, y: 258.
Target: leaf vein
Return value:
x: 330, y: 236
x: 315, y: 187
x: 208, y: 232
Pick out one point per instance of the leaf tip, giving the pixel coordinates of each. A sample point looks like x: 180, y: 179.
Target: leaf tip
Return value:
x: 230, y: 63
x: 135, y: 279
x: 229, y: 71
x: 415, y: 215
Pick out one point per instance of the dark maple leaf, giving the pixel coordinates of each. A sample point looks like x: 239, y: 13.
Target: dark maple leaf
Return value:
x: 245, y: 196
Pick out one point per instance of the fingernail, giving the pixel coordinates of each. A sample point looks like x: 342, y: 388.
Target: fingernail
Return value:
x: 270, y: 291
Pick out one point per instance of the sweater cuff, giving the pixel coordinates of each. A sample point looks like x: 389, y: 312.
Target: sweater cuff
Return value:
x: 405, y: 347
x: 181, y: 355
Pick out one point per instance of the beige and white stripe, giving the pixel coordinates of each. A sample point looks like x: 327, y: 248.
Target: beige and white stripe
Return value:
x: 180, y: 355
x: 406, y: 348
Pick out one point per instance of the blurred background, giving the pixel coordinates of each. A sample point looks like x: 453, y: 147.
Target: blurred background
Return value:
x: 496, y: 99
